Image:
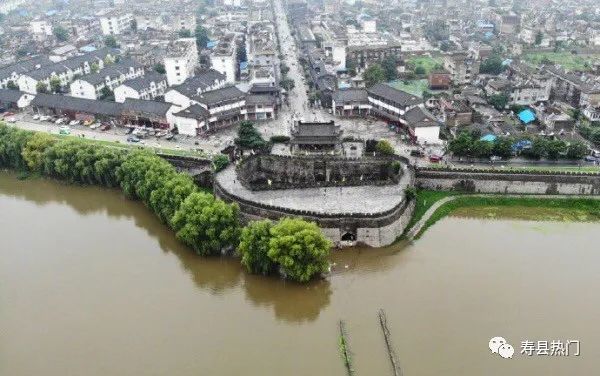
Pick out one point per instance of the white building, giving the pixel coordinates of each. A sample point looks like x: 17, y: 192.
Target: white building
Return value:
x: 92, y: 85
x: 147, y: 87
x: 224, y: 58
x: 41, y: 27
x: 181, y: 60
x: 115, y: 23
x: 204, y: 81
x: 7, y: 6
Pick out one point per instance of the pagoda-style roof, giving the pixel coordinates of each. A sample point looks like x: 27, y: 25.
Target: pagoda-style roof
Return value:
x: 316, y: 133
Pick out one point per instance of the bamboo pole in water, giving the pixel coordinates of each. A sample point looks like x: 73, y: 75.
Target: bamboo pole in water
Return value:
x: 397, y: 371
x: 345, y: 349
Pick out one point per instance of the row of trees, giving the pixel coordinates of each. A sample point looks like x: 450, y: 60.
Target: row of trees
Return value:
x: 470, y: 145
x: 208, y: 225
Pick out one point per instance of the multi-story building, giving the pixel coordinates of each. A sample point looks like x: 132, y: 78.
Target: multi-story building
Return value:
x: 147, y: 87
x: 91, y: 86
x: 115, y: 23
x: 224, y: 59
x: 181, y: 60
x: 41, y: 27
x: 261, y: 52
x: 461, y: 67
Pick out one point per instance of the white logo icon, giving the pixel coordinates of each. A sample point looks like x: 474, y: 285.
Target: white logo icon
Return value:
x: 506, y: 351
x: 499, y: 346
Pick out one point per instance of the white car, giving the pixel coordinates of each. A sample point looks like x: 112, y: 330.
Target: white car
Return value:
x: 36, y: 117
x: 59, y: 121
x: 44, y: 118
x: 74, y: 122
x: 11, y: 119
x: 95, y: 125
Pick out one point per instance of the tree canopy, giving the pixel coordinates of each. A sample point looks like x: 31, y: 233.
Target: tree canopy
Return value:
x: 248, y: 137
x: 374, y: 75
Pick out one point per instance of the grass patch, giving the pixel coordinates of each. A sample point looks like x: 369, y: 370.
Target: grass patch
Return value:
x: 425, y: 200
x: 427, y: 62
x: 580, y: 62
x: 414, y: 87
x: 127, y: 146
x: 565, y: 209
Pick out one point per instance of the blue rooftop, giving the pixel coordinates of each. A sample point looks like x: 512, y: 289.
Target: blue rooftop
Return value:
x: 526, y: 116
x: 488, y: 138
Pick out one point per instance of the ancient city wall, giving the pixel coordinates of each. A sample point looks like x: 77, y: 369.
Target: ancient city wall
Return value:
x: 494, y: 181
x: 375, y: 230
x: 263, y: 172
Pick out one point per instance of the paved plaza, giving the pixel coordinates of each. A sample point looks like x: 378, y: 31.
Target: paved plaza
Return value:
x: 331, y: 200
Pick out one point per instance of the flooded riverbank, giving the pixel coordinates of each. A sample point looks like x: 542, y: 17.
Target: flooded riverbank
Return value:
x: 93, y: 284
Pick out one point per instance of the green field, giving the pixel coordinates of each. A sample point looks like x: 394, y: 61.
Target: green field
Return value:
x: 568, y: 60
x: 427, y: 62
x: 414, y: 87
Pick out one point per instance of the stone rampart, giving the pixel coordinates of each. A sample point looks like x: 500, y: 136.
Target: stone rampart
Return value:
x: 513, y: 182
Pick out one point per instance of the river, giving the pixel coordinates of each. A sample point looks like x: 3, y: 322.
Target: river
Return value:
x: 92, y: 284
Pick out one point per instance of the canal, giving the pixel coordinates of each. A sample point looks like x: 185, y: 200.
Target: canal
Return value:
x: 92, y: 284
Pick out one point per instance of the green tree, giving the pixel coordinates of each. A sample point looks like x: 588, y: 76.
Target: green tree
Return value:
x: 288, y: 84
x: 219, y: 162
x: 537, y: 150
x: 95, y: 67
x: 492, y: 65
x: 482, y: 149
x: 184, y: 33
x: 248, y: 137
x: 461, y: 145
x: 555, y: 149
x: 390, y: 65
x: 254, y: 247
x: 41, y: 87
x: 299, y: 248
x: 11, y: 85
x: 503, y: 147
x: 539, y: 37
x: 499, y: 101
x: 34, y: 149
x: 373, y: 75
x: 61, y: 34
x: 576, y: 150
x: 166, y: 199
x: 207, y: 225
x: 201, y: 35
x: 111, y: 41
x: 55, y: 85
x: 107, y: 94
x: 384, y: 147
x: 160, y: 68
x: 420, y: 70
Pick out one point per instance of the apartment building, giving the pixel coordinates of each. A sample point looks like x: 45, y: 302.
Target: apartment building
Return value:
x: 181, y: 60
x: 224, y: 59
x: 148, y: 87
x: 461, y: 67
x: 92, y: 85
x: 115, y: 23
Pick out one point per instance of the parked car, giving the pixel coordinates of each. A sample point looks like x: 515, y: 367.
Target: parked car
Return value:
x: 95, y: 125
x: 590, y: 158
x: 11, y: 119
x: 417, y: 153
x: 495, y: 158
x: 59, y: 121
x: 74, y: 122
x: 435, y: 158
x: 105, y: 127
x: 133, y: 139
x: 64, y: 130
x: 45, y: 118
x: 8, y: 114
x: 36, y: 117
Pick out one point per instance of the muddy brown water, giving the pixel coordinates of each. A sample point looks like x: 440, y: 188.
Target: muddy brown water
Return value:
x: 92, y: 284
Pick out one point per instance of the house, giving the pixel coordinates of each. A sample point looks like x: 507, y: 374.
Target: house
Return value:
x: 592, y: 113
x: 461, y: 67
x: 225, y: 105
x: 148, y: 86
x: 76, y: 108
x: 204, y: 81
x: 423, y: 126
x: 14, y: 99
x: 92, y: 86
x: 115, y: 22
x: 350, y: 102
x: 191, y: 121
x: 390, y: 103
x: 152, y: 114
x: 440, y: 80
x: 12, y: 72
